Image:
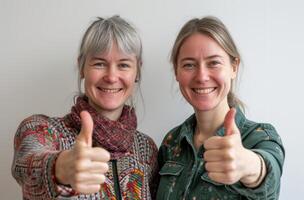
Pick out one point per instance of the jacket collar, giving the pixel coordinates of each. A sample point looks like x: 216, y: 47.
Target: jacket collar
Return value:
x: 188, y: 127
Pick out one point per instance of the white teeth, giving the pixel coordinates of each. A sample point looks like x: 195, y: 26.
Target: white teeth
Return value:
x: 203, y: 91
x: 109, y: 90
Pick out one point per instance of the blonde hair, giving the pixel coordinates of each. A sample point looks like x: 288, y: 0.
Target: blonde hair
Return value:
x: 214, y: 28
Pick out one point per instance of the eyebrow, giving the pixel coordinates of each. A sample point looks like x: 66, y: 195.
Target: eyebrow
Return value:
x: 214, y: 56
x: 121, y: 60
x: 208, y: 57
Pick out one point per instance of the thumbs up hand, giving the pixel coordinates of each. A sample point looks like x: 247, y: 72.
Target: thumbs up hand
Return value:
x: 83, y: 167
x: 226, y: 158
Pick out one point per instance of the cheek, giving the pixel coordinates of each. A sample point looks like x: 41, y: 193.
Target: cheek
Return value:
x: 224, y: 77
x: 131, y: 83
x: 181, y: 78
x: 90, y: 79
x: 130, y: 78
x: 128, y: 82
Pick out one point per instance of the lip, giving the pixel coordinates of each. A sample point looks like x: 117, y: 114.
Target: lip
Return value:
x: 109, y: 90
x: 204, y: 91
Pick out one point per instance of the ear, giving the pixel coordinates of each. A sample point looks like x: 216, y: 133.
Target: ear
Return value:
x: 235, y: 67
x: 175, y: 72
x: 138, y: 71
x: 81, y: 73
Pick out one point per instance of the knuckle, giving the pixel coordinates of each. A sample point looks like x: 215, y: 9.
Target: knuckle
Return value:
x: 93, y: 189
x: 81, y: 154
x: 77, y: 187
x: 230, y: 178
x: 106, y: 167
x: 102, y: 178
x: 79, y: 166
x: 98, y: 187
x: 229, y: 143
x: 78, y: 178
x: 233, y: 166
x: 106, y: 155
x: 207, y: 166
x: 230, y: 154
x: 205, y: 155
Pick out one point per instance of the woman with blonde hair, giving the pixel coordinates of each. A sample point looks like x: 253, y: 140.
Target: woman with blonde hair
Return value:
x: 217, y: 153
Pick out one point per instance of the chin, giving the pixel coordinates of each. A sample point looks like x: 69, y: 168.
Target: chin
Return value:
x: 110, y: 107
x: 204, y: 107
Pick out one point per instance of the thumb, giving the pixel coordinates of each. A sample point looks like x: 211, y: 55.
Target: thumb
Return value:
x: 229, y: 122
x: 87, y: 126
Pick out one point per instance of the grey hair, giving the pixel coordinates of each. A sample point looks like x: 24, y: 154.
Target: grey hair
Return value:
x: 214, y: 28
x: 100, y: 36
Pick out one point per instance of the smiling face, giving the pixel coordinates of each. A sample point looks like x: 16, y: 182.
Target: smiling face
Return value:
x: 204, y: 73
x: 109, y: 80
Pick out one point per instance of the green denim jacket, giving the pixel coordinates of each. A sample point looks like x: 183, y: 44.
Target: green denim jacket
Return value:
x: 182, y: 171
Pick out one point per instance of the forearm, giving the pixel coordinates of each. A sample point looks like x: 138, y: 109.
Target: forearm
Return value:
x: 35, y: 155
x: 34, y: 172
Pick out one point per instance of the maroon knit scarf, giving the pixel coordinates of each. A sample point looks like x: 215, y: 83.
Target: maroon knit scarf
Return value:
x: 115, y: 136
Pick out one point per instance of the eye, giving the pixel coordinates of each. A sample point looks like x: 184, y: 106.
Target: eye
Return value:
x: 99, y: 64
x: 124, y: 66
x: 188, y: 65
x: 214, y: 63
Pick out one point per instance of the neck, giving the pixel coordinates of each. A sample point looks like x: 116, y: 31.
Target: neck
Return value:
x: 209, y: 121
x: 110, y: 114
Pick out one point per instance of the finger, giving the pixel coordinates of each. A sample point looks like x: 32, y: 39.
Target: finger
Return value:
x: 87, y: 189
x: 87, y: 126
x: 225, y: 166
x: 218, y: 155
x: 99, y: 167
x: 99, y: 154
x: 217, y: 142
x: 229, y: 122
x: 223, y: 177
x: 92, y: 167
x: 97, y: 178
x: 89, y: 178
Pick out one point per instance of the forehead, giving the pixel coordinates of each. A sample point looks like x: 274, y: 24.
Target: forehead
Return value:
x: 114, y: 52
x: 200, y: 45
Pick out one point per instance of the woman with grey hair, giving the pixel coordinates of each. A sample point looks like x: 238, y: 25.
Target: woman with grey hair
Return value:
x: 217, y: 153
x: 95, y: 151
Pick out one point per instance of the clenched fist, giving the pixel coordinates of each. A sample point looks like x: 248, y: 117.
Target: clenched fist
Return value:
x: 227, y: 161
x: 84, y: 166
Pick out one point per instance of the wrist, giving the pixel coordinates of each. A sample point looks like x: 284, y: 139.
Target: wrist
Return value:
x: 257, y: 174
x: 60, y: 174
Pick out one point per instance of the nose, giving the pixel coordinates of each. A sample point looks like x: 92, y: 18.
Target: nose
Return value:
x: 203, y: 74
x: 111, y: 75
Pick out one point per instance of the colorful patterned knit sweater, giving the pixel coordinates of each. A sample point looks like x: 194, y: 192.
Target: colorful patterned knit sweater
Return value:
x: 39, y: 140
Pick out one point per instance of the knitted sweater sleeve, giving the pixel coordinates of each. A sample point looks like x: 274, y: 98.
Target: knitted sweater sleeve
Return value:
x: 36, y: 148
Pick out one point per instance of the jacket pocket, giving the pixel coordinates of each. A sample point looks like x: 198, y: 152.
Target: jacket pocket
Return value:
x: 169, y: 175
x: 171, y: 168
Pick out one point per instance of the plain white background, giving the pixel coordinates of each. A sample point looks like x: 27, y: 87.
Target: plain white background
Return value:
x: 39, y: 40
